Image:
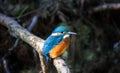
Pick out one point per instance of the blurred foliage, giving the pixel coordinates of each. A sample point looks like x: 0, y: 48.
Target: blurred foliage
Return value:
x: 95, y: 48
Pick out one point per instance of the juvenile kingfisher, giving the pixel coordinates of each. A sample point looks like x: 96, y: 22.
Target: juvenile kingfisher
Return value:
x: 57, y: 42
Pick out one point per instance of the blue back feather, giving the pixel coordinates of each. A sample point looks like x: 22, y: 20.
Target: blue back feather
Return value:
x: 51, y: 41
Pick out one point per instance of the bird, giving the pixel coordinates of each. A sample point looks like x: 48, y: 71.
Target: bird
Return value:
x: 57, y: 43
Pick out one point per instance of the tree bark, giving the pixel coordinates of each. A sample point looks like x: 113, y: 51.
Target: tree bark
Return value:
x: 61, y: 66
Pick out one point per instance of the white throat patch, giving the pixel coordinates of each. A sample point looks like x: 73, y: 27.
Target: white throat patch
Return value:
x: 66, y: 36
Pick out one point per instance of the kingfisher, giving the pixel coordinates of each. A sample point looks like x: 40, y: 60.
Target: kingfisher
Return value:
x: 57, y: 43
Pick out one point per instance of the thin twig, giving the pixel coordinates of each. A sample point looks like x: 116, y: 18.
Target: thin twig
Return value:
x: 114, y: 6
x: 33, y: 23
x: 5, y: 64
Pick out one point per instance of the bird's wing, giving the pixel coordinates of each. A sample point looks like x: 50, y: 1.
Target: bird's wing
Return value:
x: 50, y: 42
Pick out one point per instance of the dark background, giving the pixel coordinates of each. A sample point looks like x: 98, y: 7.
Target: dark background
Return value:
x: 95, y: 48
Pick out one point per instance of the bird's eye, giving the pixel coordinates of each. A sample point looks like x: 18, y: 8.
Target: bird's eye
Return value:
x: 63, y: 32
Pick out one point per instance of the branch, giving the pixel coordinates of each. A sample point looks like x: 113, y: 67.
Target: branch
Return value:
x: 5, y: 65
x: 61, y: 66
x: 103, y: 7
x: 26, y: 36
x: 33, y: 41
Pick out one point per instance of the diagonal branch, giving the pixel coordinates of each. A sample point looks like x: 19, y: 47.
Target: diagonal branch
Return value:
x: 26, y: 36
x: 33, y: 41
x: 113, y: 6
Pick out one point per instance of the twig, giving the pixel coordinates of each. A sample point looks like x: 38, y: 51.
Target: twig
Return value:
x: 103, y: 7
x: 33, y: 23
x: 5, y: 64
x: 61, y: 16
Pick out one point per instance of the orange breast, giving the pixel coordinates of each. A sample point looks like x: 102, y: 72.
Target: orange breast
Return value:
x: 59, y: 49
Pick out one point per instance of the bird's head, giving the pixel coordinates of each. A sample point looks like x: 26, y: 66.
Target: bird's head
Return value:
x: 62, y: 31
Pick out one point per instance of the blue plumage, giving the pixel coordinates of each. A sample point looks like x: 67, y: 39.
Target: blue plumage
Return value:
x: 51, y: 41
x: 61, y: 29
